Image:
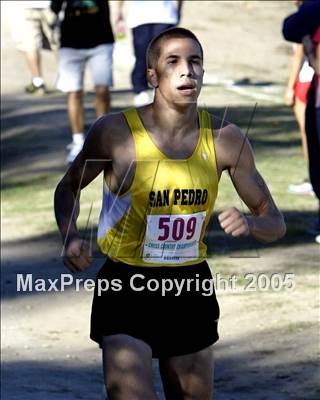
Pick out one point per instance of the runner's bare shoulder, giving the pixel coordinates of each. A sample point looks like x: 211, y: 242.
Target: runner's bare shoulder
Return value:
x: 229, y: 141
x: 108, y: 133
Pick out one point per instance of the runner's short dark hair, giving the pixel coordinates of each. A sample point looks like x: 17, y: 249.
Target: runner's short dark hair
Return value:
x: 153, y: 51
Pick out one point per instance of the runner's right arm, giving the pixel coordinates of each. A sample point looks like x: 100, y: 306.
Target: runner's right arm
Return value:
x: 94, y: 158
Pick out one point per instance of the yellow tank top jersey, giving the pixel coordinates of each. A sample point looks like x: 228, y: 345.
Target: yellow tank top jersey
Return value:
x: 162, y: 218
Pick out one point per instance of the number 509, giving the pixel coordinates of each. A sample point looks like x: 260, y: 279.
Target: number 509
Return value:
x: 177, y: 229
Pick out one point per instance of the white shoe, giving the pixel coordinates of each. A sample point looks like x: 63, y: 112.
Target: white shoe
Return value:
x: 75, y: 149
x: 142, y: 99
x: 318, y: 239
x: 69, y: 146
x: 302, y: 188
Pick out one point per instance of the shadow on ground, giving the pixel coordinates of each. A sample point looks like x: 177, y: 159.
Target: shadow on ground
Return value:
x: 266, y: 375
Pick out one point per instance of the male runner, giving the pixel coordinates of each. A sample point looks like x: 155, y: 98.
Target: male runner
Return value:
x: 161, y: 164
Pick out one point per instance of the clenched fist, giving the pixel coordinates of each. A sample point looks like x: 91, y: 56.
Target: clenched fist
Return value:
x: 234, y: 223
x: 77, y: 255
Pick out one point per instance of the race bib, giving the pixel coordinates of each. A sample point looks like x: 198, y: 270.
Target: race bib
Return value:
x: 172, y: 239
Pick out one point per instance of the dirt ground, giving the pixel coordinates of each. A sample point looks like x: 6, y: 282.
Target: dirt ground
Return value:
x: 269, y: 340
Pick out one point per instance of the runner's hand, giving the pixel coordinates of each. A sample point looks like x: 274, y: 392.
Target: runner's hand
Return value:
x: 77, y: 255
x: 234, y: 223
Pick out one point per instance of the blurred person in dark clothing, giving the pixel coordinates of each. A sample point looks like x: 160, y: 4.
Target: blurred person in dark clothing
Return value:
x: 86, y: 38
x: 304, y: 27
x: 146, y: 19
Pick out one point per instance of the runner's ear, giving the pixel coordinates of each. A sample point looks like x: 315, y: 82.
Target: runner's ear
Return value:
x: 152, y: 77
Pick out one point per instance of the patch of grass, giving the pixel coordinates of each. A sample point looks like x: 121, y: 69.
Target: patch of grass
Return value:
x: 31, y: 199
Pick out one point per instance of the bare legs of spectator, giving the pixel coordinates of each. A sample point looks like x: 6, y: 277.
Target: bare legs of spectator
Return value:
x: 102, y: 102
x: 299, y: 110
x: 76, y: 120
x: 76, y: 116
x: 76, y: 111
x: 34, y: 62
x: 33, y: 58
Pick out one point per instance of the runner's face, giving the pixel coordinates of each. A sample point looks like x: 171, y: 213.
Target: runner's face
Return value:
x: 179, y: 70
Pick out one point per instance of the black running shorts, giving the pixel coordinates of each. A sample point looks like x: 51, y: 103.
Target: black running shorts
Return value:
x: 173, y: 309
